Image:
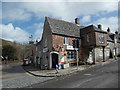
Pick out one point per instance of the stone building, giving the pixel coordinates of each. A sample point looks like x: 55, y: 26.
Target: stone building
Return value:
x: 113, y: 45
x: 117, y: 44
x: 56, y: 45
x: 93, y: 43
x: 110, y: 52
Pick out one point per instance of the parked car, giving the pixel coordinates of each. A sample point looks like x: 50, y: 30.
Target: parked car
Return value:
x: 25, y: 62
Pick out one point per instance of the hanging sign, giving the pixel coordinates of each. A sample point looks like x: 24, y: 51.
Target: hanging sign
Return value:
x: 45, y: 50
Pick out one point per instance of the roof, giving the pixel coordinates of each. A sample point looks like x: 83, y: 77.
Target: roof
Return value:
x: 91, y: 28
x: 110, y: 37
x: 118, y: 37
x: 64, y: 28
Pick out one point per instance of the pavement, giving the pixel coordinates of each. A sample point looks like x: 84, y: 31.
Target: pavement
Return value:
x: 62, y: 72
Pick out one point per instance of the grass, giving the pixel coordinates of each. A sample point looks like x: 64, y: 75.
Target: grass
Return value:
x: 12, y: 61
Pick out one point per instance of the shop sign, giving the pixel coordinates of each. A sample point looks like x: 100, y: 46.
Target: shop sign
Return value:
x: 45, y: 50
x: 70, y: 47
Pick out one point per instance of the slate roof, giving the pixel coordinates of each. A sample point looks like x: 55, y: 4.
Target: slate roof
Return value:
x: 64, y: 28
x: 110, y: 37
x: 118, y: 37
x: 91, y: 28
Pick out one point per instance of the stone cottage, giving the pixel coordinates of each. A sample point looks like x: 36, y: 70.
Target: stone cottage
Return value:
x: 113, y: 44
x: 117, y: 44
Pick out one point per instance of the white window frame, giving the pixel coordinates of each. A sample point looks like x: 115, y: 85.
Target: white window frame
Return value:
x: 65, y: 41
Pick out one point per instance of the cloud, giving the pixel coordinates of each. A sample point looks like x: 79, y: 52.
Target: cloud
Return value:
x: 62, y: 10
x: 14, y: 12
x: 86, y: 19
x: 38, y: 31
x: 60, y: 0
x: 69, y: 10
x: 111, y: 22
x: 0, y: 12
x: 11, y: 33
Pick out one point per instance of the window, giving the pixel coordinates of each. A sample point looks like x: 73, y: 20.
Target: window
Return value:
x: 46, y: 42
x: 101, y: 37
x: 71, y: 54
x: 66, y: 41
x: 88, y: 37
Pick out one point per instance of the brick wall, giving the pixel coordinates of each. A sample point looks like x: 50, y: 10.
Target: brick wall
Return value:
x: 58, y: 42
x: 92, y: 39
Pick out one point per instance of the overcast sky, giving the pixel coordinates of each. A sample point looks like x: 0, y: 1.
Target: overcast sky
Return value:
x: 25, y: 18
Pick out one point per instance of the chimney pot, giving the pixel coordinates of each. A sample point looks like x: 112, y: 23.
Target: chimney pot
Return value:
x: 100, y: 26
x: 77, y: 21
x: 116, y: 32
x: 108, y: 30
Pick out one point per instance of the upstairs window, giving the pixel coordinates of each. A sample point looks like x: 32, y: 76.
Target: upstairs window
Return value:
x: 101, y: 37
x: 88, y: 37
x: 66, y: 41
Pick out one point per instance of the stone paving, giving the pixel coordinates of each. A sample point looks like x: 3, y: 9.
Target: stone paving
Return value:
x: 52, y: 73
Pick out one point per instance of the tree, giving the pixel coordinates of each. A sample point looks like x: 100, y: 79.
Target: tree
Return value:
x: 9, y: 51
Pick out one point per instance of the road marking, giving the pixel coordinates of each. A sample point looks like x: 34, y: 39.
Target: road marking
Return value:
x: 83, y: 83
x: 88, y: 74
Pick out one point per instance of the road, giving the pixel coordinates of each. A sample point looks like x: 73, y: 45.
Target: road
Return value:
x: 105, y: 76
x: 14, y: 76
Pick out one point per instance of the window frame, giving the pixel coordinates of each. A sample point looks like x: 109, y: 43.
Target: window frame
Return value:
x: 65, y: 41
x: 71, y: 55
x: 101, y: 38
x: 88, y: 37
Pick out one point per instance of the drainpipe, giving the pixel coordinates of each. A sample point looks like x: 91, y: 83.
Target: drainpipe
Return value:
x: 94, y: 58
x: 115, y: 53
x: 104, y: 54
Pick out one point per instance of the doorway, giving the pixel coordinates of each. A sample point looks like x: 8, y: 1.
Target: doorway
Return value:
x: 54, y: 60
x: 111, y: 54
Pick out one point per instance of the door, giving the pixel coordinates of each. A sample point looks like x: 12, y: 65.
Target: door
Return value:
x: 54, y: 60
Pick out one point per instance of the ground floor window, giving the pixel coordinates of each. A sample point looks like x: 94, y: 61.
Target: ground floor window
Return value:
x: 71, y: 54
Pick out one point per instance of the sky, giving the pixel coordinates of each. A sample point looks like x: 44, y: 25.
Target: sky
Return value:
x: 25, y: 18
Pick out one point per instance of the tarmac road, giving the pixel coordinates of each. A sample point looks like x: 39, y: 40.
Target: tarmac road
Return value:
x: 14, y: 76
x: 105, y: 76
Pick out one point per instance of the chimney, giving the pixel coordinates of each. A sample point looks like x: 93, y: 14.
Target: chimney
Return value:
x: 77, y: 21
x: 108, y: 30
x: 100, y: 26
x: 116, y: 32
